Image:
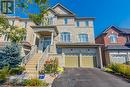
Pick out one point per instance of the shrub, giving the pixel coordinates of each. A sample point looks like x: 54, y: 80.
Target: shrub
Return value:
x: 10, y: 56
x: 127, y: 73
x: 114, y: 67
x: 121, y: 69
x: 18, y: 70
x: 34, y: 82
x: 51, y: 66
x: 128, y: 63
x: 3, y: 74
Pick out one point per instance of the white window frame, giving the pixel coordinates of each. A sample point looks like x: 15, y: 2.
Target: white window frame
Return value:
x: 65, y: 37
x: 83, y: 38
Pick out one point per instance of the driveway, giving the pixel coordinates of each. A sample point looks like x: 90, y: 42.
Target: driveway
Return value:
x: 88, y: 78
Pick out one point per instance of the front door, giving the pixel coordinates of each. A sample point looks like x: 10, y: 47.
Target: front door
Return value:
x: 46, y: 42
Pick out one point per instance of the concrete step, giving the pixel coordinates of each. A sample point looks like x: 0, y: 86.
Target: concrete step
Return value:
x: 31, y: 66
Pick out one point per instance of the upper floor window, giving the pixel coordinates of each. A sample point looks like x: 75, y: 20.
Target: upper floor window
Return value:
x: 86, y: 23
x: 65, y: 37
x: 113, y: 38
x: 83, y: 37
x: 127, y: 38
x: 65, y: 21
x: 77, y: 24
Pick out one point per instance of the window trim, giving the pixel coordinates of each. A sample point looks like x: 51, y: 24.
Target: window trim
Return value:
x: 83, y: 38
x: 77, y: 23
x: 65, y: 20
x: 113, y: 38
x: 86, y: 23
x: 65, y: 37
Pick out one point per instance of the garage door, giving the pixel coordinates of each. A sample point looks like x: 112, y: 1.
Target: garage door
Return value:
x: 88, y: 61
x: 118, y: 59
x: 71, y: 61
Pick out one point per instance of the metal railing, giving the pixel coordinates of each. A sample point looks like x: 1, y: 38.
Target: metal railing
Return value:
x: 43, y: 58
x: 29, y: 55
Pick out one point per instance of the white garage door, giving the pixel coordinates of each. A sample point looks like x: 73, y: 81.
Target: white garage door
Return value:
x: 118, y: 59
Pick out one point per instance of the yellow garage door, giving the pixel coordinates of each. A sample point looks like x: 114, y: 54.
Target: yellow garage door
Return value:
x: 88, y: 61
x: 71, y: 61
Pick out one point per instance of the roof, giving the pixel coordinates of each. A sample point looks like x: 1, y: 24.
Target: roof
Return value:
x: 117, y: 47
x: 125, y: 31
x: 58, y: 4
x: 44, y: 27
x: 120, y: 30
x: 85, y: 18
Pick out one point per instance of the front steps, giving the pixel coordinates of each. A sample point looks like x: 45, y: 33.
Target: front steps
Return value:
x: 31, y: 66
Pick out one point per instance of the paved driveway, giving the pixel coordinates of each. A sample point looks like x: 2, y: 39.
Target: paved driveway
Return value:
x: 88, y: 78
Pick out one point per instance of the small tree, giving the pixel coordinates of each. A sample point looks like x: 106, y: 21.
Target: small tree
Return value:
x: 10, y: 56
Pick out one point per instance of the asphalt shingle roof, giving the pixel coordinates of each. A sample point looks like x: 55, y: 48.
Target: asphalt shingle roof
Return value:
x: 117, y: 47
x: 126, y: 31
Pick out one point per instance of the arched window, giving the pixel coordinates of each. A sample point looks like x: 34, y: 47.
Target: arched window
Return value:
x: 83, y: 37
x: 113, y: 38
x: 65, y: 37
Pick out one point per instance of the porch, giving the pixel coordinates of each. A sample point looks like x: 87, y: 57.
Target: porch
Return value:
x: 44, y: 37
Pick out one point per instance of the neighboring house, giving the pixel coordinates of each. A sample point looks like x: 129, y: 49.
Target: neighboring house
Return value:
x: 68, y: 38
x: 116, y: 45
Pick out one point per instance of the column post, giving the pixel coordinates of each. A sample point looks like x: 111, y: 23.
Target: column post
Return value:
x: 80, y: 56
x: 52, y: 37
x: 63, y: 57
x: 34, y: 39
x: 100, y: 57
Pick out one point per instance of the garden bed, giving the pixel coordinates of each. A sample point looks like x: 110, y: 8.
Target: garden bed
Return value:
x: 120, y: 70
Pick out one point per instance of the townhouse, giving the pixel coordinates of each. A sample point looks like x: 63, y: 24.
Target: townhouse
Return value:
x: 64, y: 36
x: 116, y: 47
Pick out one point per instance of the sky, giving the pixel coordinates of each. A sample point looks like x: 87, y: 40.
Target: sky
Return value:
x: 106, y: 12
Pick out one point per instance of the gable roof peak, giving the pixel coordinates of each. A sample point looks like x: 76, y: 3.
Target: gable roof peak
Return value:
x: 113, y: 27
x: 62, y: 6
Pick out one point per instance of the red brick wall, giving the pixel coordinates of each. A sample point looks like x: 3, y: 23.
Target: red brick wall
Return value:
x: 104, y: 39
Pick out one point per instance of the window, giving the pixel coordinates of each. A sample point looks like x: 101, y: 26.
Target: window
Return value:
x: 59, y: 50
x: 128, y: 39
x: 6, y: 38
x: 65, y: 37
x: 86, y: 23
x: 113, y: 38
x: 77, y: 23
x: 83, y: 37
x: 65, y: 21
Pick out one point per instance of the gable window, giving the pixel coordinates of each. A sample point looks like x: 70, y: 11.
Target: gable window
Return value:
x: 86, y: 23
x: 83, y: 37
x: 77, y: 24
x: 65, y: 37
x: 113, y: 38
x: 65, y: 21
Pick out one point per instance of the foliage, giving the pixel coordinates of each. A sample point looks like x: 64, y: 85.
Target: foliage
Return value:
x: 51, y: 66
x: 121, y: 69
x: 36, y: 18
x: 24, y: 4
x: 34, y: 82
x: 4, y: 24
x: 17, y: 70
x: 42, y: 5
x: 60, y: 69
x: 10, y: 56
x: 4, y: 73
x: 128, y: 63
x: 15, y: 34
x: 114, y: 67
